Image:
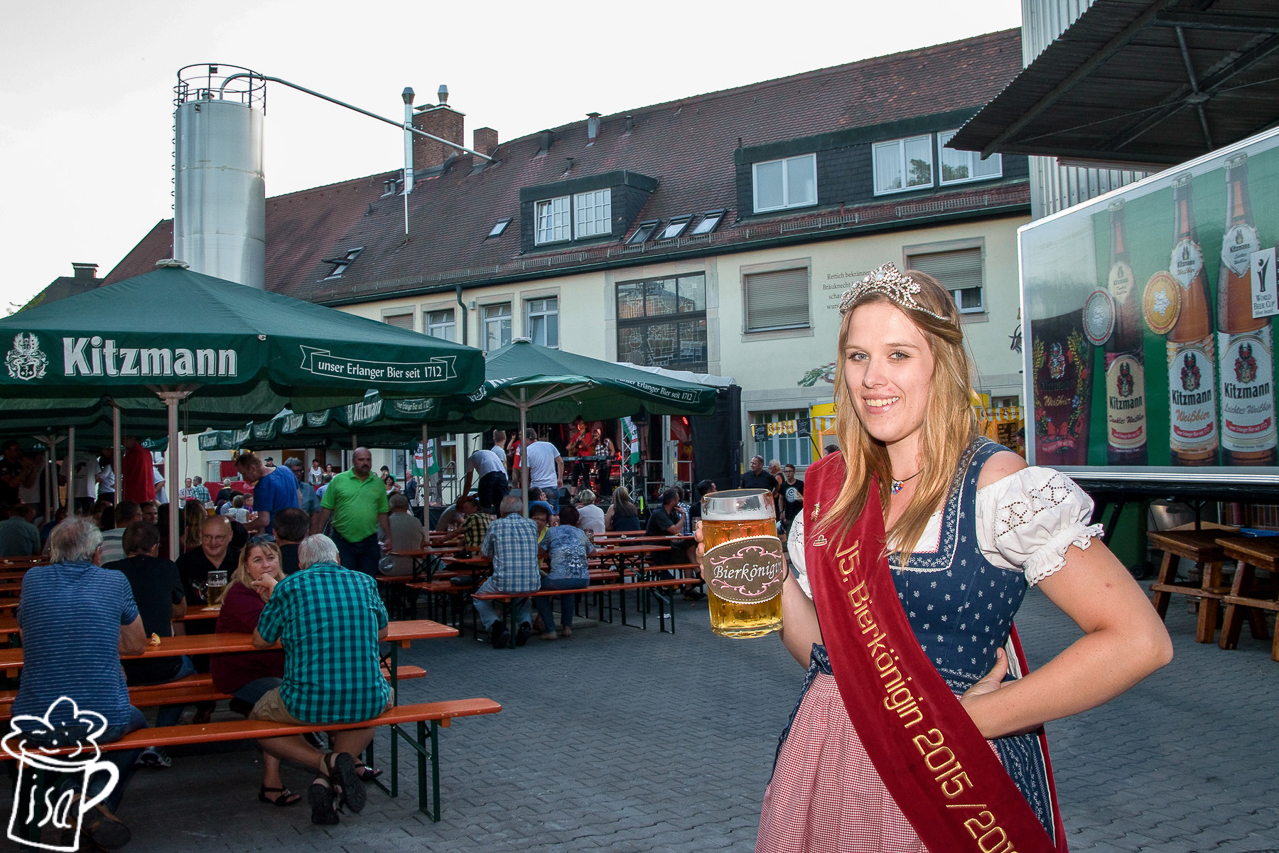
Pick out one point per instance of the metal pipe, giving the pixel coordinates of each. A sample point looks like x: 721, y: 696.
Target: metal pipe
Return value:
x: 70, y: 464
x: 524, y: 451
x: 409, y: 128
x: 466, y: 320
x: 115, y: 453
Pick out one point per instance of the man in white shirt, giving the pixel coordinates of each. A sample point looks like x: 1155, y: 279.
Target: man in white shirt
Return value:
x: 86, y: 481
x: 490, y: 470
x: 545, y: 466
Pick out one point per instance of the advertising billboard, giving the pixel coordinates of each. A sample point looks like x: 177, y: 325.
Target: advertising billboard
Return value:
x: 1149, y: 316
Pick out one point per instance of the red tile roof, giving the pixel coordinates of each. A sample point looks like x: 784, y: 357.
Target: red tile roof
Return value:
x: 687, y: 145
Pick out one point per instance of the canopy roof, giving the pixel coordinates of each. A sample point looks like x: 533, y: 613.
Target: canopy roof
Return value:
x: 249, y: 352
x: 1141, y: 82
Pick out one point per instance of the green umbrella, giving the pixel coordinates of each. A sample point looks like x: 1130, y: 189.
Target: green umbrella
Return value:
x: 224, y: 351
x: 552, y: 386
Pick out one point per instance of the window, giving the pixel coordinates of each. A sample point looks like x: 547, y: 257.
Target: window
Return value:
x: 790, y: 443
x: 708, y: 223
x: 441, y: 324
x: 340, y: 264
x: 776, y: 300
x: 960, y: 166
x: 643, y: 232
x: 675, y: 228
x: 662, y: 322
x: 542, y: 321
x: 497, y: 326
x: 903, y: 164
x: 785, y: 183
x: 399, y: 321
x: 593, y: 214
x: 553, y: 220
x: 500, y: 228
x: 584, y: 215
x: 959, y: 271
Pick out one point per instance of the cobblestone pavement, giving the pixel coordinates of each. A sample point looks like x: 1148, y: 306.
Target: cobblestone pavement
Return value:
x: 625, y: 740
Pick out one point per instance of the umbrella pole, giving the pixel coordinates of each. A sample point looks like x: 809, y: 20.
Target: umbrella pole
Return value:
x: 171, y: 399
x: 524, y: 452
x: 115, y: 453
x: 423, y: 495
x: 70, y: 465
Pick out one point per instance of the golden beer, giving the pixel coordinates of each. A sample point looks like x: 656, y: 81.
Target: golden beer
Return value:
x: 743, y: 563
x: 216, y: 588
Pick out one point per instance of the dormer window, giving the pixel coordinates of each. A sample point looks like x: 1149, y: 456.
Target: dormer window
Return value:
x: 575, y: 217
x: 340, y: 264
x: 782, y: 184
x: 903, y: 164
x: 958, y: 167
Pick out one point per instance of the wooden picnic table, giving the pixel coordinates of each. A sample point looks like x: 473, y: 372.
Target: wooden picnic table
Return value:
x: 422, y: 557
x: 399, y: 634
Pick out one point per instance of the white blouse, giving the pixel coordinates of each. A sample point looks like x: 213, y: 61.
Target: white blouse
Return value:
x: 1025, y: 522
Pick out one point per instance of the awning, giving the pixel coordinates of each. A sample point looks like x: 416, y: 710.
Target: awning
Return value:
x: 1140, y: 82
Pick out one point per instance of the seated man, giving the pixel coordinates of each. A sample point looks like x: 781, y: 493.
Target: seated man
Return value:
x: 126, y: 512
x: 291, y: 527
x: 215, y: 552
x: 450, y: 519
x: 329, y: 620
x: 157, y: 589
x: 407, y: 534
x: 512, y: 543
x: 19, y: 537
x: 82, y: 665
x: 475, y: 524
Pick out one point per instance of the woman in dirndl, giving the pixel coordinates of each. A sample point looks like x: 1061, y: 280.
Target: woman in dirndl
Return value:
x: 919, y: 727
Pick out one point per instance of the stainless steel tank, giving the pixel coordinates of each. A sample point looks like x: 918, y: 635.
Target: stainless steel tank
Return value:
x: 219, y: 193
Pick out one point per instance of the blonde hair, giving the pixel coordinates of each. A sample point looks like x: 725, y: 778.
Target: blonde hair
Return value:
x: 949, y: 423
x: 241, y: 574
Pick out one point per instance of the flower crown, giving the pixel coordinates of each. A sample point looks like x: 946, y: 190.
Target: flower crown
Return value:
x: 900, y: 288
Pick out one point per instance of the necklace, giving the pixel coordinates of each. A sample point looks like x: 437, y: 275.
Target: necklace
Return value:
x: 898, y: 485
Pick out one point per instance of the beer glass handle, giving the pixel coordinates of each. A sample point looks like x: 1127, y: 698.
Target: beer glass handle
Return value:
x: 112, y: 771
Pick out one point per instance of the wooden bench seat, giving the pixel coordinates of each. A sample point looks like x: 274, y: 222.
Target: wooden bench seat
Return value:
x: 186, y: 691
x: 638, y: 587
x: 1201, y: 547
x: 1249, y: 596
x: 425, y: 742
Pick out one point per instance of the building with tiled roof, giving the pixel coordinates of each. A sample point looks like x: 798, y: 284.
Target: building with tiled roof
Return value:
x: 714, y: 233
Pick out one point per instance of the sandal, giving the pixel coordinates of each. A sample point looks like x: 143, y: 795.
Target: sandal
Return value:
x: 349, y: 787
x: 285, y: 798
x: 321, y: 796
x: 366, y: 773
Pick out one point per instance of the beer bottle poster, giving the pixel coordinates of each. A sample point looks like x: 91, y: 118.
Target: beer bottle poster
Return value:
x: 1142, y: 351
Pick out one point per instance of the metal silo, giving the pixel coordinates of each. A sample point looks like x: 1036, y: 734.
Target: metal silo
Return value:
x: 219, y: 194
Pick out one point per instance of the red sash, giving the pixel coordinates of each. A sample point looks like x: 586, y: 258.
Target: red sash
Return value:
x: 932, y: 759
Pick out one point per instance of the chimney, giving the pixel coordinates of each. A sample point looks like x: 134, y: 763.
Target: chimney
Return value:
x: 545, y: 139
x: 630, y: 123
x: 86, y: 271
x: 440, y: 120
x: 485, y: 140
x: 592, y: 127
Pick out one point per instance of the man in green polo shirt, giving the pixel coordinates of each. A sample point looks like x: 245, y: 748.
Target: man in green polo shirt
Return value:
x: 357, y: 501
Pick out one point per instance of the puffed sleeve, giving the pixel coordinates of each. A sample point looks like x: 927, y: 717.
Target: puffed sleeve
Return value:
x: 795, y: 548
x: 1028, y: 520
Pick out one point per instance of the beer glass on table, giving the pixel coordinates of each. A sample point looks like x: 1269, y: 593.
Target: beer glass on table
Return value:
x: 216, y: 588
x: 743, y: 563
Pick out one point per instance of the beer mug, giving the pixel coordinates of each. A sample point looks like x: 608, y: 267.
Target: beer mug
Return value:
x: 216, y: 588
x: 743, y: 563
x: 42, y: 803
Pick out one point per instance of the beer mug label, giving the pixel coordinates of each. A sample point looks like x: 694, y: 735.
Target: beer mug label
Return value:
x: 1186, y: 262
x: 1125, y: 402
x: 1237, y: 246
x: 746, y: 571
x: 1247, y: 391
x: 1120, y: 283
x: 1190, y: 387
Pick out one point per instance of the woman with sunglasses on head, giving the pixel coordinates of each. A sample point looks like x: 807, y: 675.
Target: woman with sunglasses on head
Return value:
x: 920, y: 727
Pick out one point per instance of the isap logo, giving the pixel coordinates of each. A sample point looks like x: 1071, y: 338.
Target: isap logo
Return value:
x: 25, y: 361
x: 57, y: 755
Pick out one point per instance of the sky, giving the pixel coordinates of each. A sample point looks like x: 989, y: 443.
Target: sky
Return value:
x: 86, y: 87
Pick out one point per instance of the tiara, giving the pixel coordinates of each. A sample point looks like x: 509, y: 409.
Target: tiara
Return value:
x: 893, y: 284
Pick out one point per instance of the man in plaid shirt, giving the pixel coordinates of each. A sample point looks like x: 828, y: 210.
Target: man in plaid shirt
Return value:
x: 199, y: 492
x: 512, y: 543
x: 475, y: 524
x: 329, y: 620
